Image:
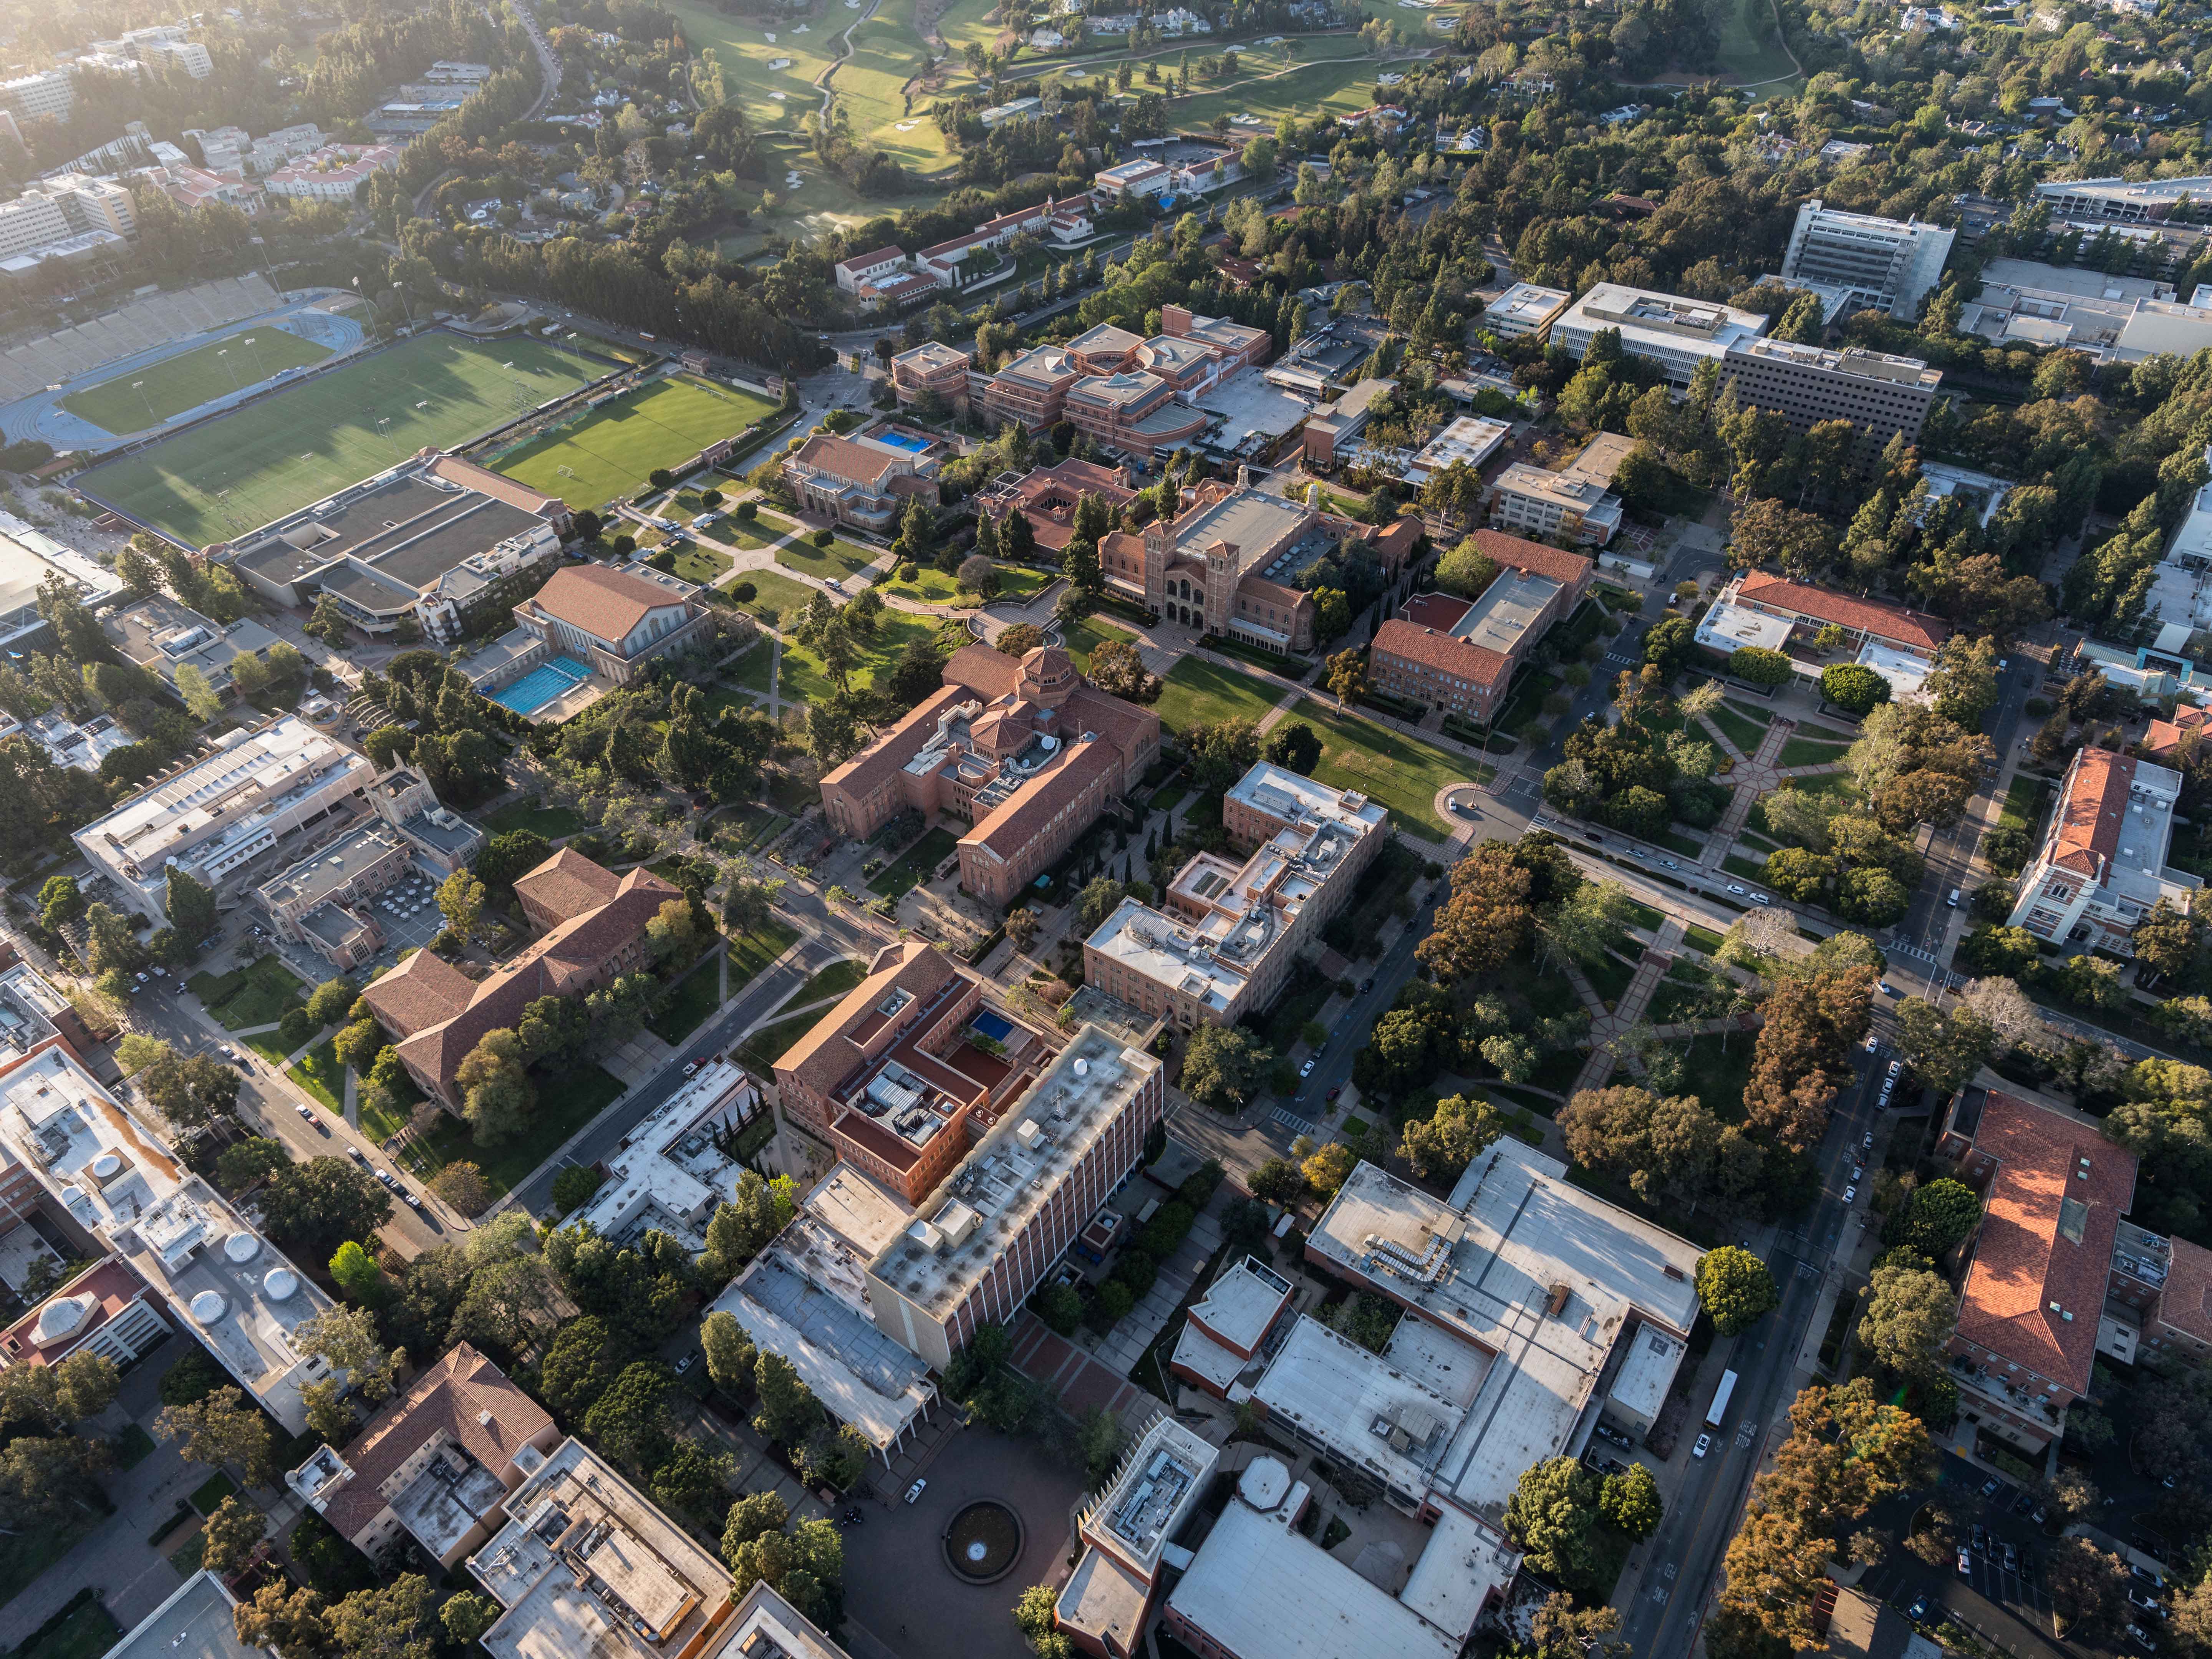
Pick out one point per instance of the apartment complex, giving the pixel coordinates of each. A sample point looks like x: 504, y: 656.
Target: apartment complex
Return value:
x: 1222, y: 945
x: 433, y: 1464
x: 1461, y: 655
x: 896, y: 1076
x: 1017, y: 1201
x: 1879, y: 394
x: 859, y: 480
x: 592, y: 926
x: 1526, y: 309
x: 1574, y: 504
x: 100, y: 1178
x: 333, y: 174
x: 429, y: 541
x: 1128, y: 1533
x: 1047, y: 497
x: 66, y: 205
x: 213, y: 818
x: 587, y: 1568
x: 1886, y: 265
x: 45, y: 95
x: 2102, y: 865
x: 1027, y: 753
x: 932, y: 369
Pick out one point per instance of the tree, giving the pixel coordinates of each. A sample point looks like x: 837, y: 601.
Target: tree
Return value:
x: 1908, y: 1320
x: 329, y: 1002
x: 1452, y: 1137
x: 1943, y: 1049
x: 1941, y: 1215
x: 230, y: 1534
x: 742, y: 1226
x: 1735, y: 1288
x: 358, y: 1275
x: 1853, y: 689
x: 1294, y: 746
x: 1278, y: 1181
x: 1037, y: 1615
x: 462, y: 1185
x: 348, y: 1339
x: 317, y: 1206
x: 1019, y: 640
x: 1466, y: 570
x: 1099, y: 899
x: 1022, y: 925
x: 511, y: 853
x: 59, y: 901
x: 1346, y: 677
x: 730, y: 1355
x: 467, y: 1616
x: 1630, y: 1501
x: 1328, y: 1168
x: 1222, y: 1066
x: 788, y: 1411
x: 629, y: 1420
x: 223, y: 1428
x: 2089, y: 1588
x: 293, y: 1622
x: 578, y: 1367
x: 496, y: 1094
x: 1755, y: 664
x: 1550, y: 1515
x: 1221, y: 752
x: 1486, y: 919
x: 388, y: 1622
x: 248, y: 1161
x: 461, y: 900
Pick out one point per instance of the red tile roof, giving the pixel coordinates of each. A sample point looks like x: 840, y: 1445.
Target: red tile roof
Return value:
x: 1039, y: 801
x: 986, y: 671
x: 1876, y: 617
x: 568, y: 884
x: 2034, y: 1247
x: 2163, y: 738
x: 605, y: 603
x: 841, y: 458
x: 1521, y: 553
x: 873, y: 256
x: 1447, y: 653
x: 2085, y: 832
x: 1441, y: 611
x: 2185, y: 1300
x: 831, y: 1048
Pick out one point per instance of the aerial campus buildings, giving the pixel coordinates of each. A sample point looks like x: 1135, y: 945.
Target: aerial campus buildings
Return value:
x: 1444, y: 651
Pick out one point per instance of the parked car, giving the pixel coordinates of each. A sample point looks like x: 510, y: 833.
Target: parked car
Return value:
x: 1607, y: 1431
x: 411, y: 1201
x: 2141, y: 1638
x: 2149, y: 1604
x: 1737, y: 887
x: 1918, y: 1610
x: 1761, y: 898
x: 1306, y: 1070
x: 684, y: 1364
x: 1704, y: 1444
x: 1965, y: 1560
x: 915, y: 1490
x: 1850, y: 1193
x: 306, y: 1112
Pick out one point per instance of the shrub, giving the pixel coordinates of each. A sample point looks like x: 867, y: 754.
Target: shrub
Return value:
x: 573, y: 1187
x: 823, y: 538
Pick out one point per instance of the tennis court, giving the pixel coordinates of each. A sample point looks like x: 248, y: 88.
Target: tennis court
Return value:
x: 236, y: 472
x: 610, y: 452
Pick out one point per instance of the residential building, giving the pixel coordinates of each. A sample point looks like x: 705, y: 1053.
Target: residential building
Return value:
x: 985, y: 1241
x: 436, y: 541
x: 612, y: 621
x: 1886, y: 265
x: 215, y: 817
x: 932, y: 369
x: 433, y: 1464
x: 1027, y: 753
x: 894, y: 1076
x: 110, y: 1186
x: 1222, y: 945
x: 28, y: 559
x: 1520, y: 1291
x: 1233, y: 1330
x: 677, y: 1167
x: 161, y: 635
x: 1467, y: 441
x: 1805, y: 610
x: 591, y: 928
x: 2127, y: 201
x: 1672, y: 333
x: 1526, y: 309
x: 67, y: 204
x: 1046, y: 496
x: 333, y: 174
x: 2103, y: 865
x: 1461, y: 655
x: 1128, y: 1535
x: 197, y: 1622
x: 805, y: 1297
x: 158, y: 43
x: 1259, y: 1588
x: 106, y: 1310
x: 32, y: 1010
x: 852, y: 272
x: 858, y: 480
x: 1574, y: 503
x: 47, y: 95
x: 587, y: 1568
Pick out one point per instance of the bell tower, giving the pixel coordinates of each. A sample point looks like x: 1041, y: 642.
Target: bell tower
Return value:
x: 1220, y: 584
x: 1159, y: 548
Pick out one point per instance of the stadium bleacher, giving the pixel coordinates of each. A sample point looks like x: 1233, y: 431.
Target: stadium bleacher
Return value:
x: 159, y: 320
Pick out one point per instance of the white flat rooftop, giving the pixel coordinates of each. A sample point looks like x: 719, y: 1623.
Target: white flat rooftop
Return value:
x: 1370, y: 1413
x: 1464, y: 1563
x: 194, y: 1623
x: 1242, y: 1303
x: 1161, y: 1481
x: 852, y: 1205
x: 1730, y: 628
x: 1640, y: 1385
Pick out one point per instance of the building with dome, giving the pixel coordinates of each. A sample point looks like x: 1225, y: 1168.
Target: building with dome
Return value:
x: 108, y: 1187
x: 1027, y: 754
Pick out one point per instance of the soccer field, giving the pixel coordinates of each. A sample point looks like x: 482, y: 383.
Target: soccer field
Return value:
x: 612, y: 451
x: 241, y: 470
x: 146, y: 397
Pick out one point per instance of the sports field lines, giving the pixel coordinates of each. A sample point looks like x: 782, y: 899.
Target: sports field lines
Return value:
x: 610, y: 452
x: 146, y: 397
x: 232, y: 474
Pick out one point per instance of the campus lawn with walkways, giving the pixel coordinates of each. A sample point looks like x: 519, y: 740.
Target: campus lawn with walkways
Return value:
x: 612, y: 451
x: 837, y: 561
x: 1400, y: 772
x: 773, y: 592
x: 1201, y: 693
x: 240, y: 471
x: 146, y: 397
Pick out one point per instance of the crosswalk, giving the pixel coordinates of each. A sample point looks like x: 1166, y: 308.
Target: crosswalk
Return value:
x: 1918, y: 952
x: 1290, y: 1121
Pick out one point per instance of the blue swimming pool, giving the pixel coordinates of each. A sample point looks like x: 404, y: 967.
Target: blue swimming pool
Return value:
x: 899, y: 441
x: 992, y: 1026
x: 541, y: 685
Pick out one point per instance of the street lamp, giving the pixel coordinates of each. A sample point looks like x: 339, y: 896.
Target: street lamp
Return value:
x: 400, y: 289
x: 224, y: 353
x: 139, y: 386
x: 260, y: 370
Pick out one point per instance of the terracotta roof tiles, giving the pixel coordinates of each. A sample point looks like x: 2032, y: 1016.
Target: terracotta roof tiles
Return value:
x: 1447, y: 653
x: 1876, y: 617
x: 605, y: 603
x: 1523, y: 553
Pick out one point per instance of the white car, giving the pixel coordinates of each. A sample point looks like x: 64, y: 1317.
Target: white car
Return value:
x: 1704, y: 1444
x: 915, y: 1490
x: 306, y: 1112
x: 690, y: 1066
x: 1858, y: 1172
x: 1761, y: 898
x: 1850, y: 1193
x: 1895, y: 1066
x: 1736, y: 887
x: 1872, y: 1043
x: 1306, y: 1070
x: 1867, y: 1140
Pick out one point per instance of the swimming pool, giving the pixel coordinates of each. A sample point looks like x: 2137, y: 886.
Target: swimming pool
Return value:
x: 899, y: 441
x: 541, y: 685
x: 991, y: 1025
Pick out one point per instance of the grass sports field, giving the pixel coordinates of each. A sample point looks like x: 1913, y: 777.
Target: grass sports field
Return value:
x: 234, y: 473
x: 146, y: 397
x: 612, y: 450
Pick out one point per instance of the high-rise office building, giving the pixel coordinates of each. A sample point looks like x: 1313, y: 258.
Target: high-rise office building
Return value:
x: 1887, y: 265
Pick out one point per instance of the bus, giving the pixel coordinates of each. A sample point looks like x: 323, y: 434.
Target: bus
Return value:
x: 1718, y: 1409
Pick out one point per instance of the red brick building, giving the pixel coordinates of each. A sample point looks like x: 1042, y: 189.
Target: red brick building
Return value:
x: 1444, y: 651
